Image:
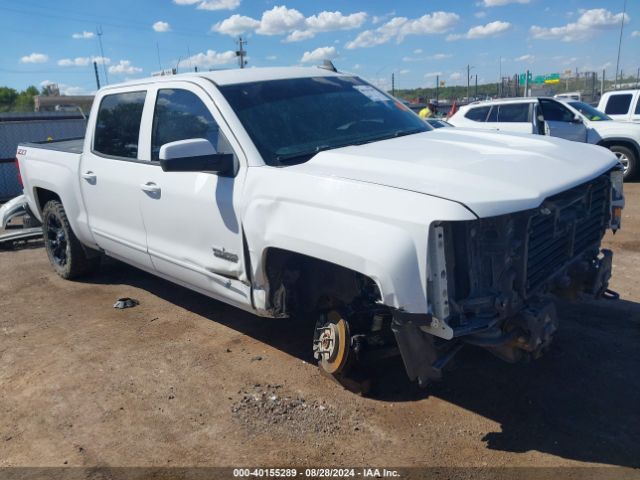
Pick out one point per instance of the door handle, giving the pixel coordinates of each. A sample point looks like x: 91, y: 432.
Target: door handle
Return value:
x: 89, y: 176
x: 150, y: 187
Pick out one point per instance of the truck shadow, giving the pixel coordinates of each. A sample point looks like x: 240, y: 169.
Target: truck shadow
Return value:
x: 580, y: 401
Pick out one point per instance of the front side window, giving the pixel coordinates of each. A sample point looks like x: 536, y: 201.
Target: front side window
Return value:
x: 291, y: 120
x: 181, y: 115
x: 555, y: 112
x: 618, y: 104
x: 588, y: 111
x: 118, y: 124
x: 478, y: 114
x: 514, y: 113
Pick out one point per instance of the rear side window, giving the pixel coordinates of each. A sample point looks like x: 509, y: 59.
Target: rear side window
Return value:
x: 618, y: 104
x: 478, y: 114
x: 637, y: 112
x: 555, y: 112
x: 517, y: 112
x: 118, y: 125
x: 181, y: 115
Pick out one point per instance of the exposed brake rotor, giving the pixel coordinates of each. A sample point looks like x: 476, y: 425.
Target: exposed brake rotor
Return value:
x: 332, y: 343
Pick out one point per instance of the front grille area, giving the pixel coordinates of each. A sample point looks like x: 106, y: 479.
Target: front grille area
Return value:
x: 564, y: 227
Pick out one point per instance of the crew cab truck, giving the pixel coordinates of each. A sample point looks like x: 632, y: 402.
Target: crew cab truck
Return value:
x: 304, y: 191
x: 564, y: 118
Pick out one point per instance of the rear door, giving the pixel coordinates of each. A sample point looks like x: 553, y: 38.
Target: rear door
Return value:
x: 112, y: 175
x: 561, y: 122
x: 619, y: 105
x: 511, y: 117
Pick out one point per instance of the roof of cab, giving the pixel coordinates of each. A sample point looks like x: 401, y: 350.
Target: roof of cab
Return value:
x: 240, y: 75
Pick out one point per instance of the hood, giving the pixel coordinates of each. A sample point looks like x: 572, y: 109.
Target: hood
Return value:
x: 489, y: 172
x: 612, y: 128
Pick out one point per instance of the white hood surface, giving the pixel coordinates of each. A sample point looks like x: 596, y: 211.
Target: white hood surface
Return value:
x: 491, y: 173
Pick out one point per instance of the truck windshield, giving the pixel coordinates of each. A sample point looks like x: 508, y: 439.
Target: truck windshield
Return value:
x: 588, y: 111
x: 293, y: 119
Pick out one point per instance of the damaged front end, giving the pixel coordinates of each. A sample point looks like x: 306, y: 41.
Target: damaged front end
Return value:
x: 492, y: 281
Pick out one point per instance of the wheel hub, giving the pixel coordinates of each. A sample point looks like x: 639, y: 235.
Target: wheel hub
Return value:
x: 622, y: 158
x: 332, y: 342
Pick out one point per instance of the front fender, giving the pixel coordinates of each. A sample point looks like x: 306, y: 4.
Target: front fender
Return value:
x: 378, y: 231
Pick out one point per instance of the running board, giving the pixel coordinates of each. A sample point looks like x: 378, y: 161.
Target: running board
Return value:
x: 21, y: 235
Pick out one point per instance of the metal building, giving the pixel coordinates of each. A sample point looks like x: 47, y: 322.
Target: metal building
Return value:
x: 21, y: 127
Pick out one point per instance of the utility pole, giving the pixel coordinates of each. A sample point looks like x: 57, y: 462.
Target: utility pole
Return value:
x: 602, y: 82
x: 476, y: 94
x: 638, y: 77
x: 393, y: 84
x: 104, y: 64
x: 437, y: 85
x: 500, y: 89
x: 241, y: 52
x: 468, y: 70
x: 95, y: 69
x: 624, y: 14
x: 526, y: 83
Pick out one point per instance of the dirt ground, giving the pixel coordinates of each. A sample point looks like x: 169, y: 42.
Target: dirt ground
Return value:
x: 182, y: 380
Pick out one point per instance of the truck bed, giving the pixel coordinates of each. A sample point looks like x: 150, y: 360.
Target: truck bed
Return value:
x: 70, y: 145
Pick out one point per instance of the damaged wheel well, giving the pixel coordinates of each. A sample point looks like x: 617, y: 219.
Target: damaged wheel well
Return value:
x: 300, y: 283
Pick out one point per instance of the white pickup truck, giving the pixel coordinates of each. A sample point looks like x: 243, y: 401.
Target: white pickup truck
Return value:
x: 310, y: 193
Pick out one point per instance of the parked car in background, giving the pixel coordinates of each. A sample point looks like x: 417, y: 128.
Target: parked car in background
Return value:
x: 568, y: 119
x: 569, y: 96
x: 394, y: 237
x: 621, y: 105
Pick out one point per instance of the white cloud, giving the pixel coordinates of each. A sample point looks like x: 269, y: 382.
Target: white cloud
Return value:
x: 210, y: 4
x: 235, y: 25
x: 161, y: 26
x: 525, y: 58
x: 491, y: 29
x: 432, y: 74
x: 455, y: 76
x: 635, y: 33
x: 83, y: 35
x: 124, y: 67
x: 417, y: 51
x: 399, y: 27
x: 319, y: 54
x: 211, y: 58
x: 588, y: 22
x: 281, y: 20
x: 404, y: 71
x: 35, y: 58
x: 272, y: 57
x: 376, y: 19
x: 480, y: 14
x: 439, y: 56
x: 500, y: 3
x: 83, y: 61
x: 357, y: 66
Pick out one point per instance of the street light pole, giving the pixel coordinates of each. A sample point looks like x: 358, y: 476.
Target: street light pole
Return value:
x: 624, y: 13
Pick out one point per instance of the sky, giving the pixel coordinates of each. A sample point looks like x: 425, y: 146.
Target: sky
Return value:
x: 416, y: 40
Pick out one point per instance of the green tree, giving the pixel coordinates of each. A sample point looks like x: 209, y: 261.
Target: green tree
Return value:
x: 8, y: 97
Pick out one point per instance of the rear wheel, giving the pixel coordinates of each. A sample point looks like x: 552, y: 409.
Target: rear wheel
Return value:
x: 332, y: 343
x: 66, y: 254
x: 627, y: 158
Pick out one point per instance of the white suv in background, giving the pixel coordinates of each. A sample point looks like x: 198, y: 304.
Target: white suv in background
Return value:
x: 621, y: 105
x: 568, y: 119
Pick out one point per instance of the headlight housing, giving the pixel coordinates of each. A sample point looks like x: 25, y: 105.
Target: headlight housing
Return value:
x: 617, y: 197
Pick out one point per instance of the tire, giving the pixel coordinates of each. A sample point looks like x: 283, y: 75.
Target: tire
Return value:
x: 628, y: 158
x: 68, y: 257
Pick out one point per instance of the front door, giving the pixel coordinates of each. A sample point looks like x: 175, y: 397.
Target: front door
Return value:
x: 192, y: 222
x: 561, y: 122
x: 111, y: 178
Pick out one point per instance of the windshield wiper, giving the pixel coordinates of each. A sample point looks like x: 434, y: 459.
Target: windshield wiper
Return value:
x: 396, y: 134
x: 293, y: 157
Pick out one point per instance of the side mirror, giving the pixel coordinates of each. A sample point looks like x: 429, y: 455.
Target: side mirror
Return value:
x: 195, y: 155
x: 577, y: 120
